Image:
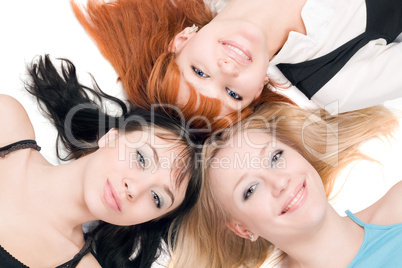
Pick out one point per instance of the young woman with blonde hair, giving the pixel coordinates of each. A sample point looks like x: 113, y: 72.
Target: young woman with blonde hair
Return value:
x: 340, y: 54
x: 266, y: 183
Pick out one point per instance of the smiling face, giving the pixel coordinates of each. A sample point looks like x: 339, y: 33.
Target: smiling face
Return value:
x: 267, y: 187
x: 226, y: 60
x: 132, y: 178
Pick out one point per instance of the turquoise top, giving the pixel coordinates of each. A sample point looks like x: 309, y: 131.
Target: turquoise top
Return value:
x: 381, y: 247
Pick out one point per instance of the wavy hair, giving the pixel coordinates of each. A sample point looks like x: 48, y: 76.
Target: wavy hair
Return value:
x: 134, y: 36
x: 328, y: 142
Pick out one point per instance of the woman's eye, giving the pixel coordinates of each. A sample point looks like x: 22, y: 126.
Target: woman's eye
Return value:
x: 157, y: 199
x: 249, y: 191
x: 233, y: 94
x: 199, y: 72
x: 141, y: 159
x: 276, y: 157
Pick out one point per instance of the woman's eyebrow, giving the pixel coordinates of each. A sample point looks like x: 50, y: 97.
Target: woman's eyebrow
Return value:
x: 260, y: 154
x: 230, y: 105
x: 240, y: 180
x: 195, y: 86
x: 264, y: 148
x: 189, y: 82
x: 155, y: 153
x: 165, y: 187
x: 170, y: 194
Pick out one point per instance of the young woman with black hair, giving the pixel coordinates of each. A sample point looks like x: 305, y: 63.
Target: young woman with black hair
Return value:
x: 135, y: 173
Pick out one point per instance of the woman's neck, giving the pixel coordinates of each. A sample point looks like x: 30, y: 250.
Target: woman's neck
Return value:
x: 275, y: 18
x: 56, y: 193
x: 337, y: 236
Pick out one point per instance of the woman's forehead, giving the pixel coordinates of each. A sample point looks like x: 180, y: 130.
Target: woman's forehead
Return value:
x: 156, y: 137
x: 245, y: 139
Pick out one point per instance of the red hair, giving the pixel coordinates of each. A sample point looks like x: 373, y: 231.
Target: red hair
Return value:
x: 134, y: 35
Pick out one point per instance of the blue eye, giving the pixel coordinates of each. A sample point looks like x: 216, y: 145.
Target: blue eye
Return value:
x: 249, y: 191
x: 141, y: 159
x: 157, y: 200
x: 233, y: 94
x: 199, y: 72
x: 276, y: 157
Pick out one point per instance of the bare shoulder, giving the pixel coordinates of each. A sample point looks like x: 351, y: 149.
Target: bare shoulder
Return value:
x: 14, y: 121
x: 89, y: 261
x: 387, y: 210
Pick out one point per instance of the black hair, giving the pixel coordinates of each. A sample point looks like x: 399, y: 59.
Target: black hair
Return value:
x: 59, y: 93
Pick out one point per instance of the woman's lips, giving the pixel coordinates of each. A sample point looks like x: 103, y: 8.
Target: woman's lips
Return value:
x: 237, y: 52
x: 296, y: 199
x: 111, y: 196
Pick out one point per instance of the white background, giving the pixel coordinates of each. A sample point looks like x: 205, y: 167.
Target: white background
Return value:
x: 30, y: 28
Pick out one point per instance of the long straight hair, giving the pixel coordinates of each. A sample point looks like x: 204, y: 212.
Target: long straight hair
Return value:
x: 328, y: 142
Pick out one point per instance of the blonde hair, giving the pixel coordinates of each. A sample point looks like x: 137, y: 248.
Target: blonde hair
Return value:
x: 328, y: 142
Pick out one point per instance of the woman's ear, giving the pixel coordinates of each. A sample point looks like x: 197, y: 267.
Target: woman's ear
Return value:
x: 181, y: 39
x: 258, y: 93
x: 109, y: 138
x: 241, y: 231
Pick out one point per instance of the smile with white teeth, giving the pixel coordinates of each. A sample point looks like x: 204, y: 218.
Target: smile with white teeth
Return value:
x: 297, y: 197
x: 238, y: 51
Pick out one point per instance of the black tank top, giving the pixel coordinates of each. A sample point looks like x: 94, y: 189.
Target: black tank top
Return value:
x: 19, y: 145
x: 6, y: 259
x: 9, y: 261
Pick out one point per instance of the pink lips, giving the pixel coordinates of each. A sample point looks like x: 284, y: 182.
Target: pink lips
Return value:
x: 299, y: 202
x: 235, y: 55
x: 111, y: 196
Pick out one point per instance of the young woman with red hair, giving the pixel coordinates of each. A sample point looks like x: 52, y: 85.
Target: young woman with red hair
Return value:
x: 222, y: 69
x: 136, y: 37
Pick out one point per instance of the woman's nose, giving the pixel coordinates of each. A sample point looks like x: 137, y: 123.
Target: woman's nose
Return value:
x: 279, y: 184
x: 228, y: 67
x: 133, y: 189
